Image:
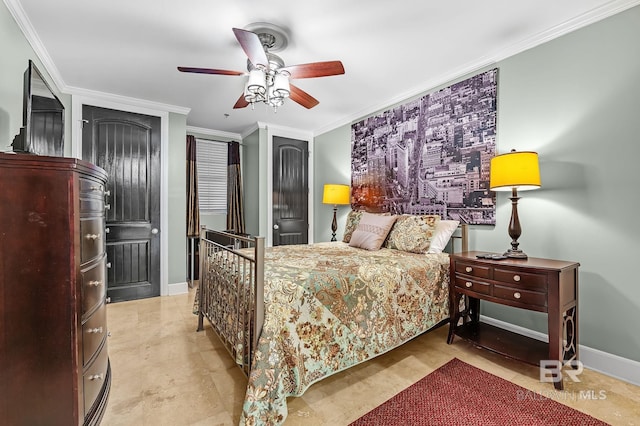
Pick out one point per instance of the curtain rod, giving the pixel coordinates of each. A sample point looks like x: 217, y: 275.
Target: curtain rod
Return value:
x: 214, y: 140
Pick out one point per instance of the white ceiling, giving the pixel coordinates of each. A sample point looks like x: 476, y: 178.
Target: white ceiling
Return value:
x: 391, y: 50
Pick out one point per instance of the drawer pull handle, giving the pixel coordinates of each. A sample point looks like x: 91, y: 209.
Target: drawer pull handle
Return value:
x: 517, y: 295
x: 107, y: 192
x: 107, y: 206
x: 94, y: 283
x: 92, y: 237
x: 96, y: 377
x: 516, y: 278
x: 468, y: 269
x: 97, y: 330
x: 468, y: 284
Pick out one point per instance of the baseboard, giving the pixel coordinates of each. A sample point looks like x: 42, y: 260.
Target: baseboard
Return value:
x: 612, y: 365
x: 177, y: 288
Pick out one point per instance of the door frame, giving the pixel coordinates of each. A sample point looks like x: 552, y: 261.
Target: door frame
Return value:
x: 122, y: 103
x: 291, y: 133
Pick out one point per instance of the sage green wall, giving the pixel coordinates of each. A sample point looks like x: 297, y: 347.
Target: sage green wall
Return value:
x: 332, y: 164
x: 251, y: 182
x: 576, y: 101
x: 14, y: 60
x: 177, y: 199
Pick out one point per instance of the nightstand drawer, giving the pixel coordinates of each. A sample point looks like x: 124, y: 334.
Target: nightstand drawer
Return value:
x: 518, y: 295
x: 522, y: 279
x: 473, y: 285
x: 473, y: 270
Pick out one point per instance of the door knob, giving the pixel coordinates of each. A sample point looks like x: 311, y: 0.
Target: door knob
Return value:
x: 276, y: 227
x: 154, y: 231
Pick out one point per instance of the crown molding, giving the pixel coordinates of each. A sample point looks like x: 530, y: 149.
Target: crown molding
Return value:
x: 214, y: 133
x: 24, y: 23
x: 597, y: 14
x: 126, y: 100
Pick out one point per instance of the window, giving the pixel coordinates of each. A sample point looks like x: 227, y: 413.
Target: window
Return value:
x: 211, y: 160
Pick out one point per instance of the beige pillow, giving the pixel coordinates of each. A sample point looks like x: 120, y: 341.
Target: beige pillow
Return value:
x: 371, y: 231
x: 413, y: 233
x: 353, y: 218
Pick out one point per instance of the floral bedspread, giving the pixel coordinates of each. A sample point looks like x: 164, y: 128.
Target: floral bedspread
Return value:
x: 330, y: 306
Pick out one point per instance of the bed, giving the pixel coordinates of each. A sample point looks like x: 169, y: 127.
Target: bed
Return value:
x: 293, y: 315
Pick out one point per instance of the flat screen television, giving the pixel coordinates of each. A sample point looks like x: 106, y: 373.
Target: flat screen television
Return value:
x: 42, y: 118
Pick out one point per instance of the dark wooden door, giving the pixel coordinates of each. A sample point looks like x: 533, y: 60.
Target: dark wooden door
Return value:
x: 290, y: 191
x: 127, y: 146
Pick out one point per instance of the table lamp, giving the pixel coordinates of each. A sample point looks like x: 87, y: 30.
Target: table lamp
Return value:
x: 336, y: 194
x: 512, y: 172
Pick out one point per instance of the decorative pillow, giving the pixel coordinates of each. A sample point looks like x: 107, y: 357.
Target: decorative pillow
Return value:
x: 413, y: 233
x: 444, y: 231
x: 371, y: 231
x: 353, y: 218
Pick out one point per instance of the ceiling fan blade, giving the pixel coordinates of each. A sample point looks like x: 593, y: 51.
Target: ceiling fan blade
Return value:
x: 303, y: 98
x: 210, y: 71
x: 252, y: 47
x: 315, y: 69
x: 241, y: 102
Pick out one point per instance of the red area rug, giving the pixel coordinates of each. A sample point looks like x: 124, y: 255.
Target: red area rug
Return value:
x: 460, y: 394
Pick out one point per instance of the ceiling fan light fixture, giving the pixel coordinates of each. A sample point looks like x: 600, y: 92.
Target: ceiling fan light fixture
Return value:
x: 256, y: 84
x: 281, y: 87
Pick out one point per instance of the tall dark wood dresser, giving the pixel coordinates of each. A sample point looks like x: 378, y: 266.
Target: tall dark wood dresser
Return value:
x: 54, y: 364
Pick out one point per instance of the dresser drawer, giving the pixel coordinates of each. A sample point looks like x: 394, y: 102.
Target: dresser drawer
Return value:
x: 93, y: 333
x: 93, y: 285
x: 469, y: 285
x: 473, y: 270
x: 91, y: 187
x: 518, y: 295
x: 91, y: 205
x: 521, y: 279
x: 91, y: 238
x: 94, y: 378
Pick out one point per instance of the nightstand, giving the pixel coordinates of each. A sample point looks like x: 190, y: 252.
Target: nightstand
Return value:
x: 542, y: 285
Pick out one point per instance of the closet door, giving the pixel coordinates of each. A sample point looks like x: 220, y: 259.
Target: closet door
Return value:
x: 290, y: 191
x: 127, y: 146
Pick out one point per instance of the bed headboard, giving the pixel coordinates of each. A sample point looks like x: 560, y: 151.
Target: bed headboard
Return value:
x: 460, y: 239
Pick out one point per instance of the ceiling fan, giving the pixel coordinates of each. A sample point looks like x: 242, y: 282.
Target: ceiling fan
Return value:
x: 268, y: 80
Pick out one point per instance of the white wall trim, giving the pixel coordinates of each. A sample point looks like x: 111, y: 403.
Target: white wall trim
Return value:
x: 76, y: 150
x: 127, y: 100
x: 177, y: 288
x: 252, y: 129
x: 23, y: 21
x: 587, y: 18
x: 214, y: 133
x: 286, y: 132
x: 612, y: 365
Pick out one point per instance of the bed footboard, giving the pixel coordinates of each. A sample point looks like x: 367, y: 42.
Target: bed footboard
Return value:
x: 231, y: 291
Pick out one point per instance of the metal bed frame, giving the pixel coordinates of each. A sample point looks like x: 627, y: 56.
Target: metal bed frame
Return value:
x: 232, y: 272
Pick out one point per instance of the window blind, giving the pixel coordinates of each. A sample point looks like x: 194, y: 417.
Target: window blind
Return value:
x: 211, y: 160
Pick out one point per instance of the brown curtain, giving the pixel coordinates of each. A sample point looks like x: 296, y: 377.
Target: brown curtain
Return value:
x: 235, y: 209
x: 193, y: 211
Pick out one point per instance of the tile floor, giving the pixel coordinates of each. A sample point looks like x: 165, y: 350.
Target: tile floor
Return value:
x: 165, y: 373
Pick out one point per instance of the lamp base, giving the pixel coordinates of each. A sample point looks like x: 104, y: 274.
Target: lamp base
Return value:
x: 515, y: 254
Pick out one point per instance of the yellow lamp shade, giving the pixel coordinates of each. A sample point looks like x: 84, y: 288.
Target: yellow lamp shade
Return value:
x: 336, y: 194
x: 515, y: 169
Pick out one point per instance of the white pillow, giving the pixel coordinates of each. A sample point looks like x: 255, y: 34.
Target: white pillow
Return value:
x: 444, y: 231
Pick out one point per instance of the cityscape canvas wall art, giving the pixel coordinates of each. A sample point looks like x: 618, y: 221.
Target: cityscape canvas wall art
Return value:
x: 430, y: 155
